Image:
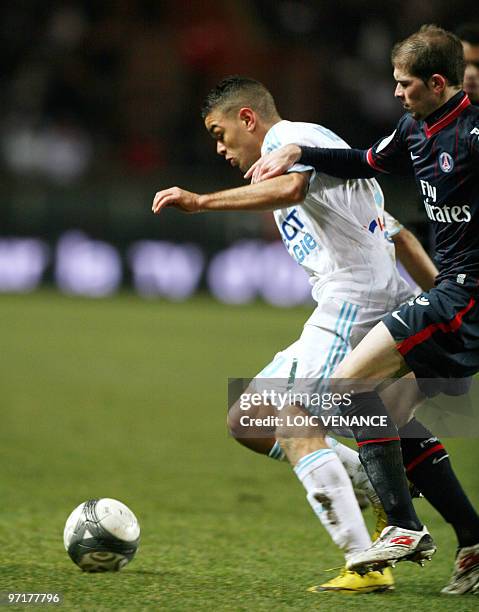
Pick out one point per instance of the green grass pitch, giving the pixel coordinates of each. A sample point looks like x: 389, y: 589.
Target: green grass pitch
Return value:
x: 127, y: 398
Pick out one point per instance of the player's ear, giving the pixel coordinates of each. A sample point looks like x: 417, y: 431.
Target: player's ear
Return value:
x: 438, y: 83
x: 248, y: 117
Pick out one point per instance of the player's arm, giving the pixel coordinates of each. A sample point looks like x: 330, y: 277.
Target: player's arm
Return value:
x: 276, y: 193
x: 343, y: 163
x: 414, y: 258
x: 389, y: 154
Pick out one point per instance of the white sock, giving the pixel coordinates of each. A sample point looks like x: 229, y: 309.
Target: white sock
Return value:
x: 353, y: 466
x: 277, y: 452
x: 331, y: 496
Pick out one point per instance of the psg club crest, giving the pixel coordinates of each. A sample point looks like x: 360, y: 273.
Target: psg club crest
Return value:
x: 446, y: 162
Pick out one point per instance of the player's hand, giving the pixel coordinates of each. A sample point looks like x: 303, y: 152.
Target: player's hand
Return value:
x: 274, y: 163
x: 176, y: 198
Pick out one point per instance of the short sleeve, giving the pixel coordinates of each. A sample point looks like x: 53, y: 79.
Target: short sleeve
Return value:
x: 282, y: 134
x: 391, y: 225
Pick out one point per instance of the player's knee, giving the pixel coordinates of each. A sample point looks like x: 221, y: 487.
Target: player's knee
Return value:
x: 233, y: 421
x: 254, y: 422
x: 235, y: 429
x: 256, y: 438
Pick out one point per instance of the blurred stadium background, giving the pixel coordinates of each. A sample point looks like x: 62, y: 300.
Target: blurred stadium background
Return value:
x: 126, y: 397
x: 100, y: 108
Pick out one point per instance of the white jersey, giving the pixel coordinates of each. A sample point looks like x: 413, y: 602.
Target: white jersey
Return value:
x: 337, y: 233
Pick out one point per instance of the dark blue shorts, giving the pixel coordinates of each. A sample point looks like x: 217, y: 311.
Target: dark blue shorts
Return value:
x: 437, y: 333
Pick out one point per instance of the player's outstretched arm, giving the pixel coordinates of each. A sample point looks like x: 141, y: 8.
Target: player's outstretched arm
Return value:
x: 269, y: 195
x: 414, y: 258
x: 343, y: 163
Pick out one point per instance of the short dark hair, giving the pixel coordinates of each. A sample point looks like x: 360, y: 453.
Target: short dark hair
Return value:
x: 468, y: 32
x: 429, y: 51
x: 235, y: 91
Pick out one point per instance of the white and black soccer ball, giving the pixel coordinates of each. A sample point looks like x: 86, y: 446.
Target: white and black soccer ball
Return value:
x: 101, y: 535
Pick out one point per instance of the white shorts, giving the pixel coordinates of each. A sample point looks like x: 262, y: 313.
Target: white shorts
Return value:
x: 333, y: 330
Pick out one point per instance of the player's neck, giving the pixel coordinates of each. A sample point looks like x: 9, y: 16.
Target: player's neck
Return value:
x: 449, y: 93
x: 264, y: 127
x: 271, y: 122
x: 436, y: 110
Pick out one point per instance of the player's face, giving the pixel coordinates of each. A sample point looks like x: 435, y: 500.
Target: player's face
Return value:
x: 471, y: 74
x: 235, y: 140
x: 415, y: 95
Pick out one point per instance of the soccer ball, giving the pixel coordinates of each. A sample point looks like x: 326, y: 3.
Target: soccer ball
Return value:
x: 101, y: 535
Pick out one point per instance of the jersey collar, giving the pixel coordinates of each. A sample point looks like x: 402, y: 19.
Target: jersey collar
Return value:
x: 443, y: 116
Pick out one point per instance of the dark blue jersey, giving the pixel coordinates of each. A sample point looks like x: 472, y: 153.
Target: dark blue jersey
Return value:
x: 443, y: 153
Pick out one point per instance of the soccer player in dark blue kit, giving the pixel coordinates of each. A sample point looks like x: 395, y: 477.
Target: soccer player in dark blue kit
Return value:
x: 437, y: 334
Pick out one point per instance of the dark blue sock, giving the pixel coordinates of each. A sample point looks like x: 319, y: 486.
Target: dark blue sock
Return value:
x: 428, y: 467
x: 380, y: 454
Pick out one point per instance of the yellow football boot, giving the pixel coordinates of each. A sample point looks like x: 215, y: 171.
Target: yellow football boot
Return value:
x: 380, y: 515
x: 352, y: 582
x: 381, y: 521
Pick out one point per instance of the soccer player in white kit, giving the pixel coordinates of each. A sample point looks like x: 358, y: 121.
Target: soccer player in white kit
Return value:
x: 334, y: 229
